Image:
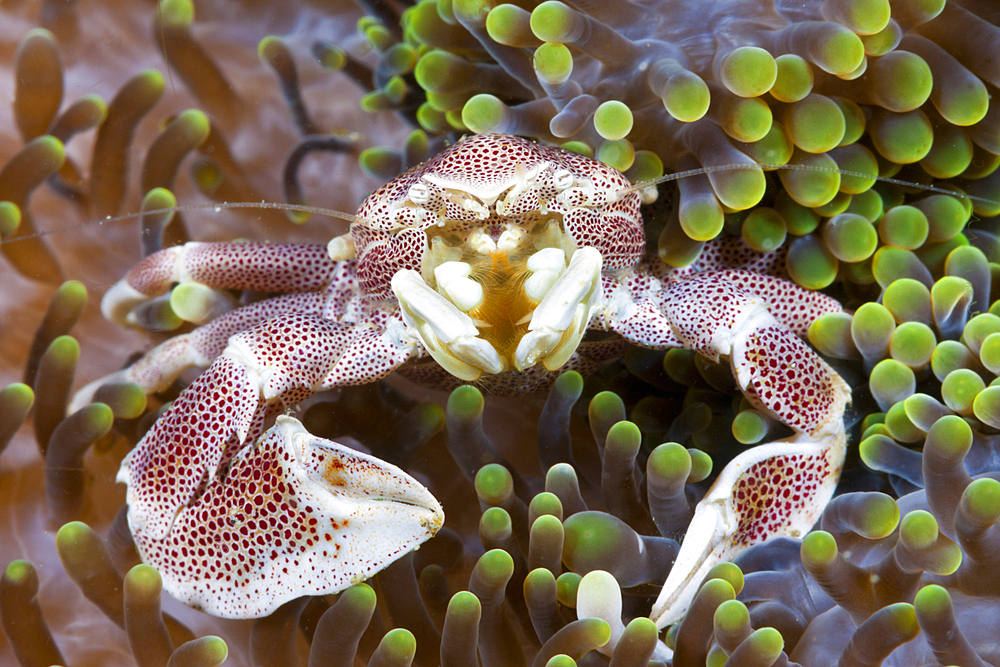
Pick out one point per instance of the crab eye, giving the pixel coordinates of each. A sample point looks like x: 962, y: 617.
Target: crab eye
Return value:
x: 419, y: 194
x: 562, y: 179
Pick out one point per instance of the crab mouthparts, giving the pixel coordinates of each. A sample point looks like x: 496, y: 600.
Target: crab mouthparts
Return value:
x: 498, y: 308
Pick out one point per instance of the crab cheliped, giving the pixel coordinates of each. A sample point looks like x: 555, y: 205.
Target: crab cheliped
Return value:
x: 489, y: 263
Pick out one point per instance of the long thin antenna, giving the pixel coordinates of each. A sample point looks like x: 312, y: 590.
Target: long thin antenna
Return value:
x: 676, y: 176
x: 330, y: 213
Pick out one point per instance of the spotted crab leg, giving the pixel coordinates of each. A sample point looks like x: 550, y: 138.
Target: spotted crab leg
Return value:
x: 226, y: 519
x: 323, y: 288
x: 777, y: 489
x: 263, y: 267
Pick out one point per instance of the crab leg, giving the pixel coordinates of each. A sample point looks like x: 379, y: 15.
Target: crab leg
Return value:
x: 180, y: 475
x: 771, y: 490
x: 264, y: 267
x: 159, y: 367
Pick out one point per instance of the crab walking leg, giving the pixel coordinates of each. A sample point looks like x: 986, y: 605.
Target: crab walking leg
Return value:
x: 294, y: 515
x: 775, y: 369
x: 776, y: 489
x: 794, y: 307
x: 713, y: 315
x: 264, y: 267
x: 159, y: 367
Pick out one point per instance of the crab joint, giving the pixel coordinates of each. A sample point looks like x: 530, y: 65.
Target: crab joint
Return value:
x: 747, y: 505
x: 341, y: 248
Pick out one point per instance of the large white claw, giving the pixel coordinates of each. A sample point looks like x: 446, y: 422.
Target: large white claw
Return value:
x: 295, y: 515
x: 449, y: 335
x: 561, y: 318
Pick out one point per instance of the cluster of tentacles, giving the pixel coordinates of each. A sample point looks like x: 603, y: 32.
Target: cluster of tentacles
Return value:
x: 900, y: 568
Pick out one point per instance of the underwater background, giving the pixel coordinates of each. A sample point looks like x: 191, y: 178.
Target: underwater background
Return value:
x: 901, y: 89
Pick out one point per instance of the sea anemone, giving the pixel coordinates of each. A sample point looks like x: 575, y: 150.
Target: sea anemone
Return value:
x: 188, y: 104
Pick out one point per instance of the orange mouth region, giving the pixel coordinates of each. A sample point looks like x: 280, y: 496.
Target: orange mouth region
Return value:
x: 504, y: 315
x: 508, y: 275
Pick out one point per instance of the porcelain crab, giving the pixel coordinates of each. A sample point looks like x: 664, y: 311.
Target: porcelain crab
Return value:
x: 492, y: 260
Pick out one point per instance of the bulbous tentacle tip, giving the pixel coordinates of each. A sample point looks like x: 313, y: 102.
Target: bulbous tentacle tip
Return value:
x: 599, y: 596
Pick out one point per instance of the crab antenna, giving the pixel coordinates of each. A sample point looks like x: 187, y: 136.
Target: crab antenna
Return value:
x: 676, y: 176
x: 330, y: 213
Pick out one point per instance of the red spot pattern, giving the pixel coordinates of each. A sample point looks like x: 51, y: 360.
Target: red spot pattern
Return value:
x: 703, y: 307
x: 369, y: 357
x: 297, y: 351
x: 775, y: 495
x: 612, y: 231
x: 792, y: 381
x: 391, y: 237
x: 155, y: 274
x: 246, y: 537
x: 268, y: 531
x: 212, y: 338
x: 340, y: 301
x: 381, y: 255
x: 730, y: 253
x: 705, y: 313
x: 187, y: 443
x: 793, y: 306
x: 644, y: 322
x: 757, y: 273
x: 484, y: 162
x: 263, y: 267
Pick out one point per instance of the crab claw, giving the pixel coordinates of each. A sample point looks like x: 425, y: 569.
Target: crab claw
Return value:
x: 267, y: 267
x: 185, y: 447
x: 280, y: 362
x: 778, y: 372
x: 294, y: 515
x: 774, y: 368
x: 778, y: 489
